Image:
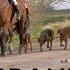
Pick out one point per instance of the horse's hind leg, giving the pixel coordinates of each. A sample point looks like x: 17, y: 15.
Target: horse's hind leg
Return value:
x: 30, y: 46
x: 30, y: 43
x: 4, y: 39
x: 10, y: 48
x: 2, y: 49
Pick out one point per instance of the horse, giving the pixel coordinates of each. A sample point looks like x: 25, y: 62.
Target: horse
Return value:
x: 6, y: 27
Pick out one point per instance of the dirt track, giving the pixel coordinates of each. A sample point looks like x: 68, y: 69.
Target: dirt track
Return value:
x: 40, y: 60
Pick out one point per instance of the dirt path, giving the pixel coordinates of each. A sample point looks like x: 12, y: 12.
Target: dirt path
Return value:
x: 36, y: 59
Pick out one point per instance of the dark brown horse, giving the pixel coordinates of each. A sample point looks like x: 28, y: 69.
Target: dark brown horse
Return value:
x: 6, y: 27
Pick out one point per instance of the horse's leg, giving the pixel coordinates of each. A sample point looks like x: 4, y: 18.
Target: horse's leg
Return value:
x: 2, y: 49
x: 10, y: 48
x: 29, y: 43
x: 4, y: 38
x: 21, y: 44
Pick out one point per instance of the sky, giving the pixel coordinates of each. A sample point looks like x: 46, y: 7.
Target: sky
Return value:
x: 62, y: 5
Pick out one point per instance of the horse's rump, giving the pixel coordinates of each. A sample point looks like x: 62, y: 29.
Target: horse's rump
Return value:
x: 5, y: 15
x: 6, y: 26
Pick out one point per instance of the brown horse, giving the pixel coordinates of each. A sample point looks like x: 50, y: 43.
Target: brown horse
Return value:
x: 6, y: 27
